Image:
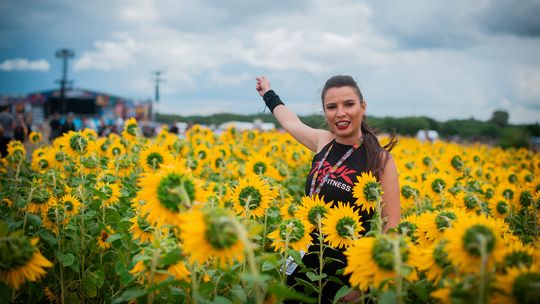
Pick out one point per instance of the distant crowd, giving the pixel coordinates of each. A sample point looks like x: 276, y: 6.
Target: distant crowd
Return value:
x: 19, y: 126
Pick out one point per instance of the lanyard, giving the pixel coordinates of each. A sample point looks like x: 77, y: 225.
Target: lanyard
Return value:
x: 312, y: 190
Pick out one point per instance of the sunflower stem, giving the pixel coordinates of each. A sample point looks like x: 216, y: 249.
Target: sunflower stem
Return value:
x: 397, y: 268
x: 248, y: 245
x: 482, y: 282
x: 321, y: 257
x: 153, y: 267
x: 194, y: 284
x: 29, y: 202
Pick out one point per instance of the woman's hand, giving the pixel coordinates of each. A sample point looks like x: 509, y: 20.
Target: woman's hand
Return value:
x: 263, y: 85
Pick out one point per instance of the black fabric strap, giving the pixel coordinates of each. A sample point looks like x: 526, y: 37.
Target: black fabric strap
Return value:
x: 271, y: 99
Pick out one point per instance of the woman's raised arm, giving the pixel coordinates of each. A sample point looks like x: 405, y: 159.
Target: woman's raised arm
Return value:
x: 313, y: 139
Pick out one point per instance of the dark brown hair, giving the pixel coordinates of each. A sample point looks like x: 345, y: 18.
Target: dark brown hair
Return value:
x: 377, y: 155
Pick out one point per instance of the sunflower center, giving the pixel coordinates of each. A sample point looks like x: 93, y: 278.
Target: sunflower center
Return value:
x: 43, y: 164
x: 35, y: 137
x: 316, y: 213
x: 382, y: 254
x: 502, y: 207
x: 508, y: 194
x: 477, y: 236
x: 291, y: 210
x: 293, y: 228
x: 132, y: 129
x: 489, y: 193
x: 525, y: 288
x: 69, y: 205
x: 470, y: 201
x: 259, y: 168
x: 518, y: 258
x: 104, y: 235
x: 440, y: 255
x: 372, y: 191
x: 78, y: 143
x: 444, y: 220
x: 345, y: 226
x: 219, y: 163
x: 15, y: 251
x: 250, y: 198
x: 525, y: 198
x: 512, y: 178
x: 409, y: 192
x: 154, y: 160
x: 438, y: 185
x: 116, y: 151
x: 408, y: 228
x: 427, y: 161
x: 202, y: 154
x: 220, y: 232
x: 174, y: 191
x: 457, y: 163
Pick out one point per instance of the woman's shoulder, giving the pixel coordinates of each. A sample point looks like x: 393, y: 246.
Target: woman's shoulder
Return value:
x: 325, y: 138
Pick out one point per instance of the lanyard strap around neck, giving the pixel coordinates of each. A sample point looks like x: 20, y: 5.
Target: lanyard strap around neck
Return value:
x: 312, y: 190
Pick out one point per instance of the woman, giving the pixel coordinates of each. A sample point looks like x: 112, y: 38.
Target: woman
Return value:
x: 350, y: 143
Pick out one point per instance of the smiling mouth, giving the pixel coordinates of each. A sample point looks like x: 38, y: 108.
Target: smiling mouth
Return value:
x: 342, y: 124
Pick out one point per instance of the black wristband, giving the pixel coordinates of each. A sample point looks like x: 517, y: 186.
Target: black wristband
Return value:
x: 271, y: 99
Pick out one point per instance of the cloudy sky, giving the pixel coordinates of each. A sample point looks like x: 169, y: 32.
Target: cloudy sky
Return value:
x: 444, y: 59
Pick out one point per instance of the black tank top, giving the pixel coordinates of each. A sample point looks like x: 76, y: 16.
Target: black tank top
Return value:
x: 339, y: 185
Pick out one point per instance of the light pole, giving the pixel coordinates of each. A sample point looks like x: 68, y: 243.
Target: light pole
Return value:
x: 157, y: 80
x: 64, y: 54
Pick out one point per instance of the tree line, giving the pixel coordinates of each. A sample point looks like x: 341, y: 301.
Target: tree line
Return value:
x: 495, y: 131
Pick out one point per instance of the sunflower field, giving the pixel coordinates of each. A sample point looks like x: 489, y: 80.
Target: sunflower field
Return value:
x: 218, y: 218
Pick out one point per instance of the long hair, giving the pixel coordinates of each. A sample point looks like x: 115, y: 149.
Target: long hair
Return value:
x: 377, y: 155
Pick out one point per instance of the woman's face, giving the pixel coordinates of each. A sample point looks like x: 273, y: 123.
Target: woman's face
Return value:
x: 343, y: 113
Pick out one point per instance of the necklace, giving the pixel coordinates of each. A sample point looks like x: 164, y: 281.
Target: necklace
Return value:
x: 312, y: 189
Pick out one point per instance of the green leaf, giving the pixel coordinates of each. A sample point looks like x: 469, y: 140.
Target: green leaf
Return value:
x: 344, y: 290
x: 98, y: 277
x: 90, y: 287
x: 314, y: 277
x: 269, y: 265
x: 388, y: 297
x: 296, y: 257
x: 66, y: 259
x: 114, y: 237
x: 238, y: 293
x: 130, y: 294
x: 283, y: 292
x: 221, y: 300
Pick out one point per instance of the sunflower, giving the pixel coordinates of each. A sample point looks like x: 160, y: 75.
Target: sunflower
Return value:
x: 43, y: 161
x: 471, y: 235
x: 211, y: 234
x: 517, y: 254
x: 131, y: 130
x: 371, y: 260
x: 518, y: 285
x: 289, y: 208
x: 260, y: 164
x: 35, y: 137
x: 16, y: 151
x: 431, y: 225
x: 142, y: 230
x: 409, y: 194
x: 109, y: 193
x: 154, y: 157
x: 507, y: 191
x: 251, y: 197
x: 434, y: 261
x: 168, y: 264
x: 524, y: 198
x: 341, y: 226
x: 76, y: 144
x: 70, y: 203
x: 167, y: 193
x: 38, y: 204
x: 437, y: 184
x: 115, y: 149
x: 54, y: 216
x: 313, y: 209
x: 368, y: 191
x: 499, y: 206
x: 468, y: 201
x: 292, y: 233
x: 104, y: 236
x: 20, y: 259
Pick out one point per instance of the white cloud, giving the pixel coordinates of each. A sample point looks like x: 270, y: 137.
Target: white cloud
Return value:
x: 112, y: 54
x: 22, y: 64
x: 527, y: 83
